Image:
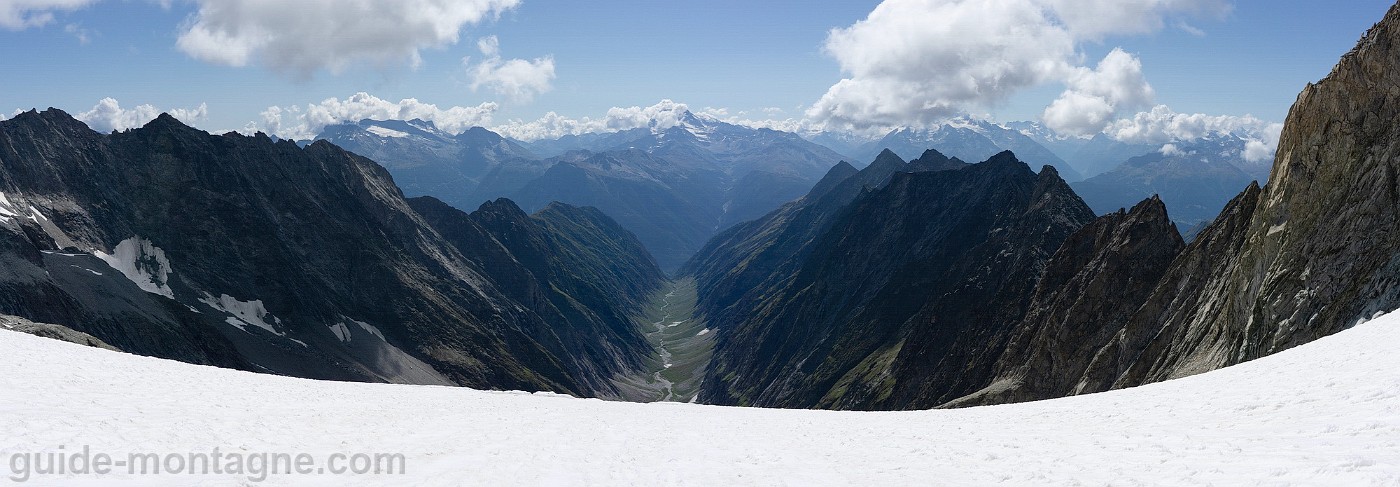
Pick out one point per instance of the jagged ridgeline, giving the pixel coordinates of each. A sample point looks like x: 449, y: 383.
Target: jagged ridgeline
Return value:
x: 248, y: 253
x: 904, y: 286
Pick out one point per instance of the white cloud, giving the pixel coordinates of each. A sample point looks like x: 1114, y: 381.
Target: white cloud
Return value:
x: 304, y: 123
x: 1261, y: 148
x: 663, y: 115
x: 1162, y: 125
x: 1171, y: 150
x: 23, y: 14
x: 1096, y: 96
x: 517, y: 79
x: 913, y: 62
x: 108, y: 115
x: 311, y: 35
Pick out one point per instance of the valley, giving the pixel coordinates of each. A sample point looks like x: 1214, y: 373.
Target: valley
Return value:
x: 682, y: 345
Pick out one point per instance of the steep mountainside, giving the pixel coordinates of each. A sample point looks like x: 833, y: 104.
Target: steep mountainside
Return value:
x: 243, y: 252
x: 754, y: 259
x: 1101, y: 274
x: 573, y: 267
x: 912, y: 278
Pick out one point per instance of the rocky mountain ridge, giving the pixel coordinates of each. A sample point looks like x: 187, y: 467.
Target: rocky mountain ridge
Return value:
x: 247, y: 253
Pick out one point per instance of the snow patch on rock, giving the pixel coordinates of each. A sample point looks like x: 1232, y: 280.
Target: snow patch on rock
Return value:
x: 244, y: 313
x: 385, y: 132
x: 141, y: 262
x: 369, y: 328
x: 341, y: 332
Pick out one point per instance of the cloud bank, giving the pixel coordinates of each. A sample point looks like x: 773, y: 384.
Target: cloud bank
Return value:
x: 108, y: 115
x: 914, y: 62
x: 1162, y: 125
x: 312, y: 35
x: 304, y: 123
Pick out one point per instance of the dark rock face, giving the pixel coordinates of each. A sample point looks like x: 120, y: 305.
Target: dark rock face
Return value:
x: 573, y: 267
x: 755, y: 259
x: 241, y: 252
x: 899, y: 281
x: 1102, y: 274
x: 1187, y: 295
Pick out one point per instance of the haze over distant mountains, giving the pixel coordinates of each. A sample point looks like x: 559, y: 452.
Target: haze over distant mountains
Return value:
x: 672, y: 186
x: 683, y: 178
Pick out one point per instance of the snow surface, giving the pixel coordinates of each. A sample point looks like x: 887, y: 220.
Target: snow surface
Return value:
x: 1326, y: 413
x: 385, y: 132
x: 141, y: 262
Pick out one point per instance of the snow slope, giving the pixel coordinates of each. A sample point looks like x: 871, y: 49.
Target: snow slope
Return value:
x: 1326, y: 413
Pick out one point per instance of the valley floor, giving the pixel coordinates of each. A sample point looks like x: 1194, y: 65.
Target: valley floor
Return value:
x: 1326, y: 413
x: 683, y: 346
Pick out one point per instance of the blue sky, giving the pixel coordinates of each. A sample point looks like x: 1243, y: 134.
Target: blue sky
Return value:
x: 740, y: 56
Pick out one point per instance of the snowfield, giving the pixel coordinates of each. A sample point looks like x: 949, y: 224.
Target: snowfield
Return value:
x: 1326, y: 413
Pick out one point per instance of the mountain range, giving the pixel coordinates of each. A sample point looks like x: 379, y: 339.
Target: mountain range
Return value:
x: 673, y: 185
x: 906, y: 286
x: 940, y: 281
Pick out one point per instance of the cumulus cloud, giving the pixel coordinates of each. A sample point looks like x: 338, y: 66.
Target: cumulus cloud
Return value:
x: 663, y: 115
x: 108, y: 115
x: 517, y: 79
x: 1095, y: 96
x: 313, y: 35
x: 912, y: 62
x: 296, y: 122
x: 23, y: 14
x: 1162, y: 125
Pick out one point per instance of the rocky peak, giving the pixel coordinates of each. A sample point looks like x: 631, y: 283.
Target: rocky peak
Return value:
x: 887, y: 161
x: 838, y: 173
